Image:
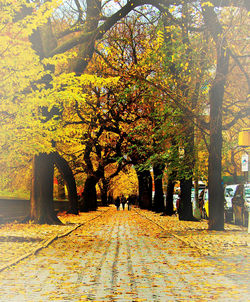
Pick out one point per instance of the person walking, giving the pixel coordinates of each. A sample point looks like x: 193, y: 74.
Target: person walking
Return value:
x: 117, y: 203
x: 238, y: 205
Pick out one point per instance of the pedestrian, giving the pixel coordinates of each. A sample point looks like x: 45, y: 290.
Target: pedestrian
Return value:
x: 117, y: 203
x: 123, y: 201
x: 238, y: 205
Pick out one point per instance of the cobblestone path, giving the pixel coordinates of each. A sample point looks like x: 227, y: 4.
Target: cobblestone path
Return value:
x: 120, y: 256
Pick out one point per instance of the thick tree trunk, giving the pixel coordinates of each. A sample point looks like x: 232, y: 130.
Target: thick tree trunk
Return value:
x: 104, y: 197
x: 215, y: 188
x: 159, y: 197
x: 169, y: 198
x: 185, y: 210
x: 171, y: 180
x: 42, y: 207
x: 104, y: 192
x: 89, y: 201
x: 145, y: 189
x: 67, y: 174
x: 86, y: 49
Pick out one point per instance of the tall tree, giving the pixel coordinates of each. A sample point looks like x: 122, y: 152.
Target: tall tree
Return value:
x: 92, y: 25
x: 216, y: 196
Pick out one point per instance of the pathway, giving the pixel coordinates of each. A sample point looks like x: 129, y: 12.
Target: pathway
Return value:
x: 120, y: 256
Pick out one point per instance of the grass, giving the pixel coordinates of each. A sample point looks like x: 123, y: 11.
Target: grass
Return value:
x: 17, y: 194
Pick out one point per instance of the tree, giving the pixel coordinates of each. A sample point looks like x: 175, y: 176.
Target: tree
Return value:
x: 125, y: 183
x: 216, y: 198
x: 91, y: 32
x: 82, y: 37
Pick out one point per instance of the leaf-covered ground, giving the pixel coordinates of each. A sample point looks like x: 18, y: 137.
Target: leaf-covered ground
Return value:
x: 234, y: 240
x: 126, y: 256
x: 19, y: 239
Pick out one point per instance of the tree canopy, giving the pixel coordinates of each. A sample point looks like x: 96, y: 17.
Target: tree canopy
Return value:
x: 104, y: 82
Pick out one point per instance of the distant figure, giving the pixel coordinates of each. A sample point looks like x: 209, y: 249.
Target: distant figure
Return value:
x: 238, y: 204
x: 123, y: 201
x: 117, y: 203
x: 201, y: 201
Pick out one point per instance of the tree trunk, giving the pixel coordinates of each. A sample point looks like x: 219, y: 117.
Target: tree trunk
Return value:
x: 215, y: 188
x: 89, y: 201
x: 67, y: 174
x: 86, y: 49
x: 145, y: 189
x: 159, y: 197
x: 216, y: 94
x: 185, y: 210
x: 104, y: 192
x: 42, y: 207
x: 169, y: 198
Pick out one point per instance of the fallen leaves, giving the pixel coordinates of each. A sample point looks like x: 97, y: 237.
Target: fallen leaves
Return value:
x: 17, y: 239
x: 125, y: 257
x: 234, y: 240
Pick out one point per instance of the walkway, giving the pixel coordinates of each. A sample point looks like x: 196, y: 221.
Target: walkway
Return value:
x: 120, y: 256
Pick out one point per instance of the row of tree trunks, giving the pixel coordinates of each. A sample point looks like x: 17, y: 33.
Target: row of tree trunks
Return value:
x: 216, y: 201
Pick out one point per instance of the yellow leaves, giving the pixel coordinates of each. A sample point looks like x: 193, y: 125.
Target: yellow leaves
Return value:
x: 78, y: 83
x: 158, y: 276
x: 208, y: 3
x: 19, y: 67
x: 125, y: 183
x: 39, y: 16
x: 160, y: 39
x: 207, y: 242
x: 184, y: 66
x: 60, y: 61
x: 172, y: 9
